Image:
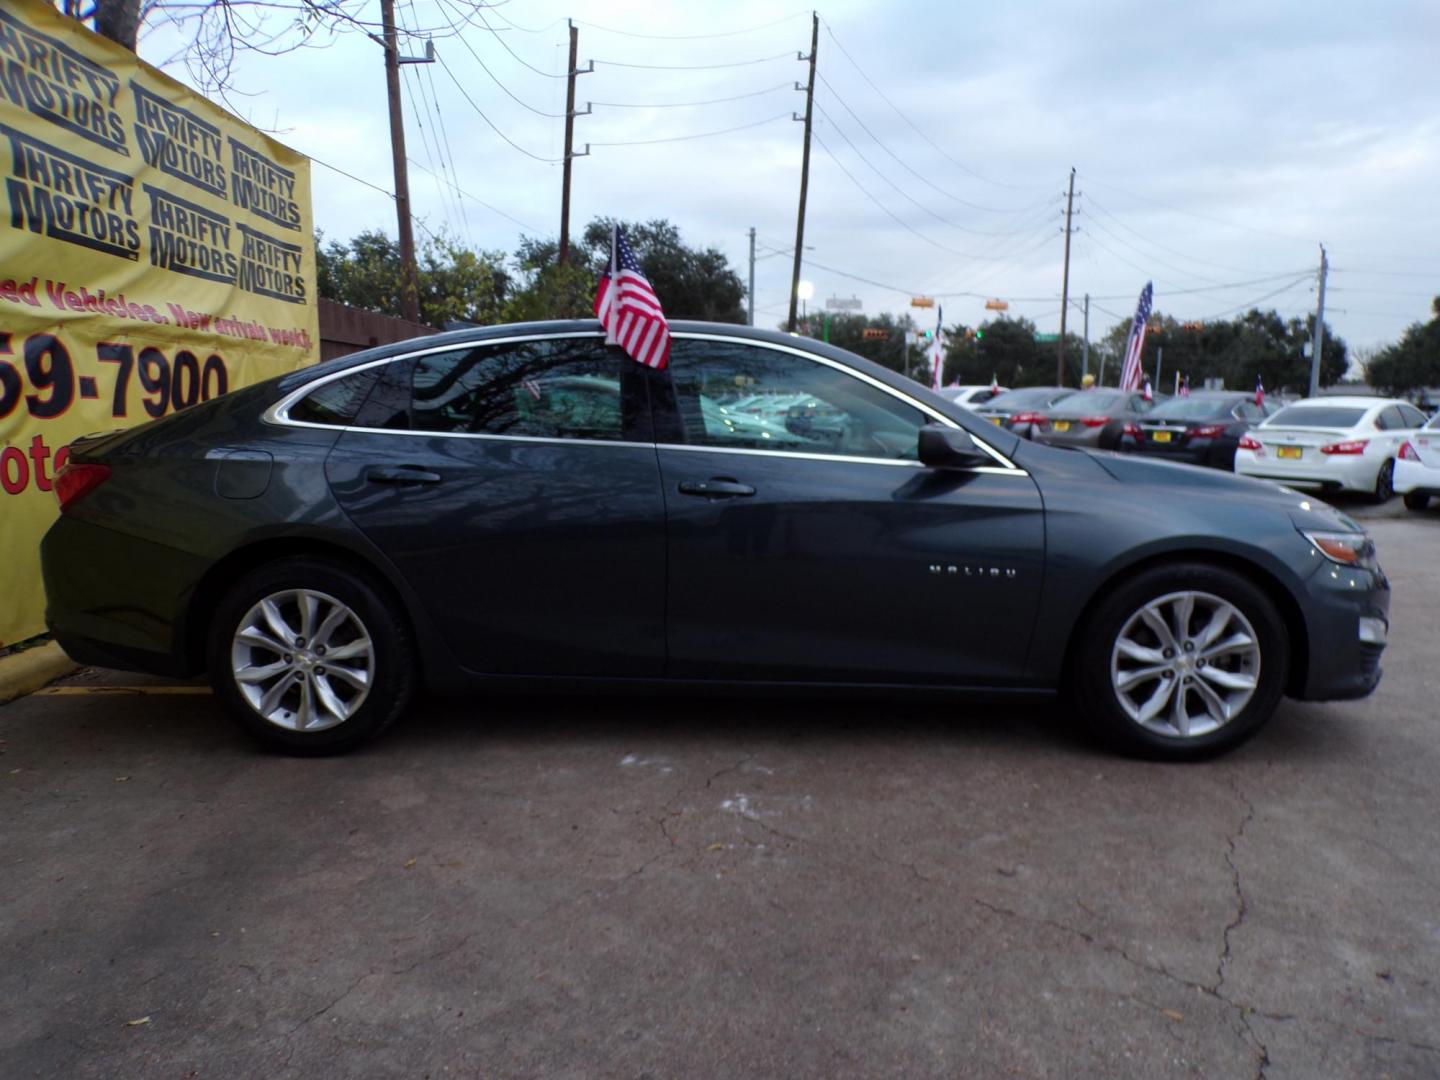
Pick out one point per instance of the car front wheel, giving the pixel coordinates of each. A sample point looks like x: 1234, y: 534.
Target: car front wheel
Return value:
x: 310, y: 657
x: 1181, y: 662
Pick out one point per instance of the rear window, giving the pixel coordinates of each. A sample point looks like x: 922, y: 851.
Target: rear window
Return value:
x: 1316, y: 416
x: 337, y: 402
x: 1031, y: 397
x: 1192, y: 408
x: 1098, y: 400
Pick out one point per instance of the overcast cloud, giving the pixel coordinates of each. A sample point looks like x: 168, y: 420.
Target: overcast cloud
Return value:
x: 1214, y: 144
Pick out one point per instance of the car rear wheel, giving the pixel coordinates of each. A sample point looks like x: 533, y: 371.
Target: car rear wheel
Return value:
x: 1385, y: 481
x: 310, y: 657
x: 1416, y: 500
x: 1181, y: 662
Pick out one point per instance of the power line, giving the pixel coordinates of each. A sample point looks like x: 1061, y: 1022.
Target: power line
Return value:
x: 1095, y: 223
x: 906, y: 166
x: 691, y: 37
x: 488, y: 121
x: 336, y: 169
x: 1259, y: 300
x: 461, y: 191
x: 699, y: 135
x: 1190, y: 213
x: 687, y: 104
x: 903, y: 116
x: 694, y: 67
x: 1090, y: 202
x: 508, y: 92
x: 519, y: 59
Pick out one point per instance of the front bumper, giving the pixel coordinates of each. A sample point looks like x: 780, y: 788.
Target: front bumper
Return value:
x: 1347, y: 618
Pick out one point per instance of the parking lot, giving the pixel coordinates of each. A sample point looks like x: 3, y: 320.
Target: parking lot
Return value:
x: 682, y: 887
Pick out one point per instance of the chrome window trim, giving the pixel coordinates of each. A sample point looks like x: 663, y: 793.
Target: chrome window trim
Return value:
x: 279, y: 413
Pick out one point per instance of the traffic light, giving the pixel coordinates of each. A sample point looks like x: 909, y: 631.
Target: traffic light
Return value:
x: 979, y: 334
x: 874, y: 333
x: 928, y: 336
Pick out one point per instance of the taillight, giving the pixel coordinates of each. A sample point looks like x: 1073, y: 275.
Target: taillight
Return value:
x: 1094, y: 421
x: 1027, y: 418
x: 74, y: 481
x: 1132, y: 430
x: 1207, y: 431
x: 1253, y: 445
x: 1350, y: 446
x: 1409, y: 453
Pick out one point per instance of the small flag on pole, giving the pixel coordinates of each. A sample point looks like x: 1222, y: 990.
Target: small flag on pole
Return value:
x: 1259, y: 391
x: 1130, y: 374
x: 629, y: 309
x: 1184, y: 390
x: 1146, y: 391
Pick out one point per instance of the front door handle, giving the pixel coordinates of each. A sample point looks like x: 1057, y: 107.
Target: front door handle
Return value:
x: 402, y: 474
x: 717, y: 487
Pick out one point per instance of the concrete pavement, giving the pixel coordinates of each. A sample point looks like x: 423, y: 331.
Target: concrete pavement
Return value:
x: 578, y: 888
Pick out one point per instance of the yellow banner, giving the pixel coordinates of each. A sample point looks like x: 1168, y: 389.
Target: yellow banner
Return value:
x: 154, y: 252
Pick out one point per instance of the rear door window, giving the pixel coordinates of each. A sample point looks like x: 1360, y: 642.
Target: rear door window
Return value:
x: 551, y: 388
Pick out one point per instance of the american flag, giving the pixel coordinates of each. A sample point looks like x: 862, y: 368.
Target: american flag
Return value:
x: 629, y: 309
x: 1149, y: 394
x: 1131, y: 372
x: 937, y: 354
x: 1259, y: 391
x: 1184, y: 390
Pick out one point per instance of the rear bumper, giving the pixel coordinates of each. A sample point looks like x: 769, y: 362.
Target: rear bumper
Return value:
x: 1341, y: 472
x: 117, y: 601
x: 1347, y: 616
x: 1411, y: 476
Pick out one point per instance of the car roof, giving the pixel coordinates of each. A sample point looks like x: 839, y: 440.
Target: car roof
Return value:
x: 474, y: 335
x: 1348, y: 401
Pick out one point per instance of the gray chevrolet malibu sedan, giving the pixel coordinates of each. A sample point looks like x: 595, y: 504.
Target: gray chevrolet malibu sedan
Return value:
x: 525, y: 507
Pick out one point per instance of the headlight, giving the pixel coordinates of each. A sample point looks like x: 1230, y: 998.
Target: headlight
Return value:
x: 1345, y: 548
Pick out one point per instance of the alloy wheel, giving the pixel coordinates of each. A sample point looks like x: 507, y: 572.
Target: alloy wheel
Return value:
x: 1185, y: 664
x: 303, y: 660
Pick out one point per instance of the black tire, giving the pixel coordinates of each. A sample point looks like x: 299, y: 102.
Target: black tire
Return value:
x: 1416, y: 500
x: 1385, y: 481
x: 379, y: 628
x: 1092, y: 687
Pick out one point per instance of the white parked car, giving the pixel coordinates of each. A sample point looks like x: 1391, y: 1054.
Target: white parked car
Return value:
x: 1417, y: 466
x: 971, y: 396
x: 1331, y: 443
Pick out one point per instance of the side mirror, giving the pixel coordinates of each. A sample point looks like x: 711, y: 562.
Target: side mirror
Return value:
x: 950, y: 448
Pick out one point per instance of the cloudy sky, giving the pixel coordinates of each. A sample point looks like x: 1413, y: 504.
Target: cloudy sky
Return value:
x: 1216, y: 145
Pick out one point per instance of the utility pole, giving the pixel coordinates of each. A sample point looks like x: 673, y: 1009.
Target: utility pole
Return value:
x: 409, y: 278
x: 1065, y: 284
x: 1085, y: 350
x: 1317, y: 336
x: 804, y: 165
x: 570, y: 155
x: 750, y: 317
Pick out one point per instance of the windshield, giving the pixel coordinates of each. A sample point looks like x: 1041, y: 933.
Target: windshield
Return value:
x: 1316, y: 416
x: 1192, y: 409
x: 1031, y: 397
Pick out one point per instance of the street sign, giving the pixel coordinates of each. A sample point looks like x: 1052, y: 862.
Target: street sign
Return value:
x: 997, y: 305
x: 841, y: 303
x: 922, y: 301
x: 1047, y: 337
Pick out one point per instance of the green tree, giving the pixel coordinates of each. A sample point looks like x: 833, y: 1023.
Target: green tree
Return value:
x: 1413, y: 362
x: 456, y: 284
x: 692, y: 283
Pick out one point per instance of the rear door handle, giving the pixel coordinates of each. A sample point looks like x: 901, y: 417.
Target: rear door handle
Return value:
x: 402, y: 474
x: 717, y: 487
